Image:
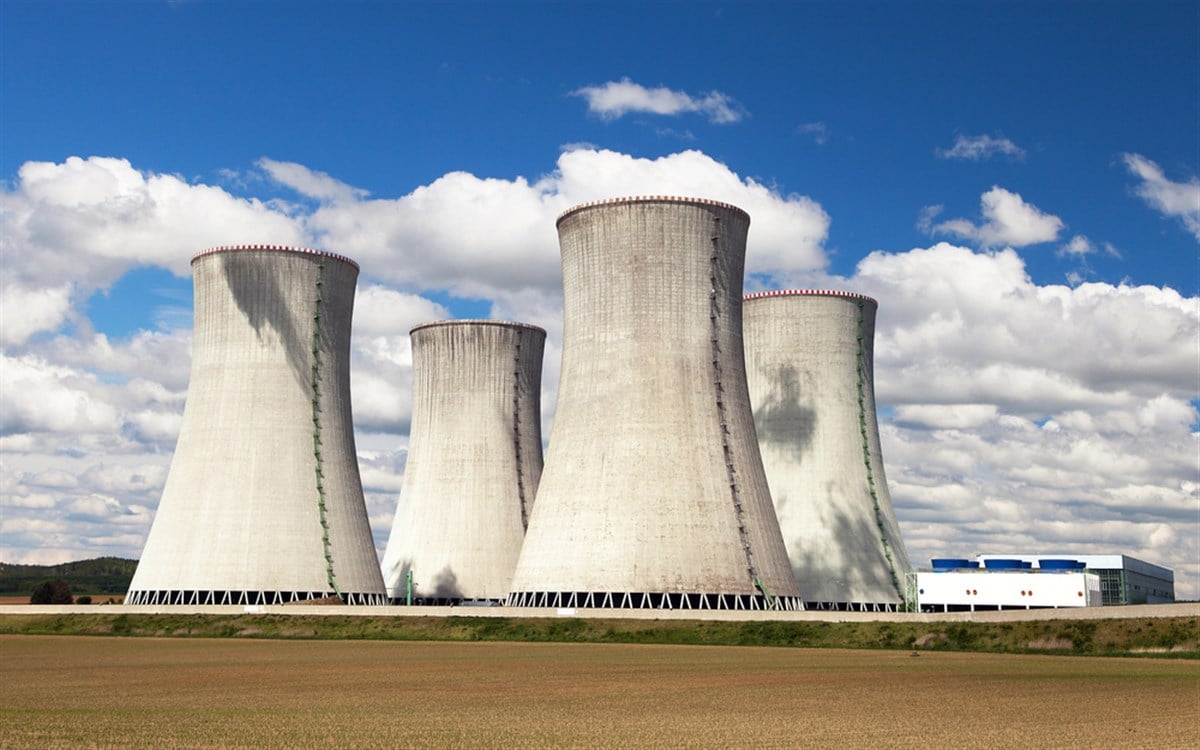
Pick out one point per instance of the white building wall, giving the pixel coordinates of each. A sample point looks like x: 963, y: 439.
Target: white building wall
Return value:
x: 474, y: 460
x: 810, y: 370
x: 267, y: 438
x: 1015, y: 590
x: 653, y: 480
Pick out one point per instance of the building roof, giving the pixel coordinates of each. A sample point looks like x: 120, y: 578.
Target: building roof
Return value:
x: 1097, y: 562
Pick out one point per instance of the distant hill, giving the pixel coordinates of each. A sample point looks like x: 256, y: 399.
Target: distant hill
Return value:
x: 102, y: 575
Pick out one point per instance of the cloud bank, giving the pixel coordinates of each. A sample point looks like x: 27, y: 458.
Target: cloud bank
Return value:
x: 1015, y: 416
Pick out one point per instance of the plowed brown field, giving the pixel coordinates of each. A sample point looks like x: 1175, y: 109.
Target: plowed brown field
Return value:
x: 68, y: 692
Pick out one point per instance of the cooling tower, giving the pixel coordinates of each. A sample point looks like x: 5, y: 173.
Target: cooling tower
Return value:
x: 810, y: 367
x: 653, y: 493
x: 474, y: 460
x: 263, y: 503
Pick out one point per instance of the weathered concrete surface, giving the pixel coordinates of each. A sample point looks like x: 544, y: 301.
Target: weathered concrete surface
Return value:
x: 1188, y: 609
x: 653, y: 480
x: 474, y: 460
x: 240, y: 510
x: 810, y: 369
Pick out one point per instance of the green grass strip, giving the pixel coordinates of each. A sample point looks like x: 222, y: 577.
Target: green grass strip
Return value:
x: 1161, y: 637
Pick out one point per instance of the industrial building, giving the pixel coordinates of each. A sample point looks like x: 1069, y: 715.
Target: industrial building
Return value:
x: 971, y: 590
x: 810, y: 370
x: 653, y: 492
x: 1027, y: 581
x: 263, y: 503
x: 474, y: 461
x: 1123, y: 579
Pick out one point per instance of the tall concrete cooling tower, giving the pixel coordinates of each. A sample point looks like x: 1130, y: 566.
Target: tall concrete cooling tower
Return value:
x: 810, y: 366
x: 263, y: 503
x: 474, y: 461
x: 653, y: 493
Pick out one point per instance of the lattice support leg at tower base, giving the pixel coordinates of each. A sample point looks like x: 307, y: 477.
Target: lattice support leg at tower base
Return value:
x: 651, y: 600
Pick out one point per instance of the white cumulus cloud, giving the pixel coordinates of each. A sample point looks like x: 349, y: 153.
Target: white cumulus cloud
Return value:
x: 380, y: 311
x: 70, y: 228
x: 39, y: 396
x: 25, y: 311
x: 489, y: 238
x: 1035, y: 418
x: 309, y: 182
x: 618, y: 98
x: 947, y: 416
x: 1180, y: 200
x: 981, y: 147
x: 973, y: 328
x: 1007, y: 220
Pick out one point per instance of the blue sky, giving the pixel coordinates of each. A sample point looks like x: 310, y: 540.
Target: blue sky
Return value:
x: 386, y: 99
x: 1017, y: 183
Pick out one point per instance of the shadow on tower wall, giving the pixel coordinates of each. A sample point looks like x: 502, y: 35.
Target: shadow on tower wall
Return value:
x: 441, y: 588
x: 849, y: 561
x: 781, y: 418
x: 259, y: 292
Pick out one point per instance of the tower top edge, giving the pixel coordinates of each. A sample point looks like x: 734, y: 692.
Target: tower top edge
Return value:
x: 273, y: 249
x: 649, y: 199
x: 476, y: 322
x: 810, y: 293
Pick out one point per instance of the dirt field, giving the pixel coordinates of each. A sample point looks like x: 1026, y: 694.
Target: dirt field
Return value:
x: 157, y: 693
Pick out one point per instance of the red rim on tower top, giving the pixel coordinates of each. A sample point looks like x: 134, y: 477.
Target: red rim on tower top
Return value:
x: 649, y: 199
x: 810, y: 293
x: 275, y: 249
x: 477, y: 322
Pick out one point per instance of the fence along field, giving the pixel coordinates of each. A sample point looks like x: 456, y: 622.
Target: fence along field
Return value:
x: 78, y: 691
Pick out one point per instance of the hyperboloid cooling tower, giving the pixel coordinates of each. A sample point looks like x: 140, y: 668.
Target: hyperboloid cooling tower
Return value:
x: 474, y: 460
x: 810, y: 367
x: 263, y: 503
x: 653, y: 493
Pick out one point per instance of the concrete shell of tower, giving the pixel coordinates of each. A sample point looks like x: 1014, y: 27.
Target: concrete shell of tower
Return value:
x: 653, y: 493
x: 263, y: 503
x: 474, y: 461
x: 810, y: 368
